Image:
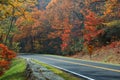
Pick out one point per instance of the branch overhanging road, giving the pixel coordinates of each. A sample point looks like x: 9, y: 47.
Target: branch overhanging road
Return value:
x: 86, y: 69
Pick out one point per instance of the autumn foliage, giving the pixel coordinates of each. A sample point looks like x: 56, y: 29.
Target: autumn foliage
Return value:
x: 66, y: 26
x: 91, y: 24
x: 65, y: 36
x: 6, y: 56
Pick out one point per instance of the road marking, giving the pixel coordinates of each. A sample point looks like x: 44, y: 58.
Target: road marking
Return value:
x: 109, y: 69
x: 82, y: 60
x: 82, y: 76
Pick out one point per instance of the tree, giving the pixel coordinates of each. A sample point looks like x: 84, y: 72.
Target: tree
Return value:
x: 12, y: 9
x: 91, y: 24
x: 6, y: 56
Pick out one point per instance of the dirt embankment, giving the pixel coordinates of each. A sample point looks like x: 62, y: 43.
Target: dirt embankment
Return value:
x: 105, y: 54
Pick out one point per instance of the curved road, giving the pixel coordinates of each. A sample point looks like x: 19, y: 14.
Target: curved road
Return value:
x: 86, y: 69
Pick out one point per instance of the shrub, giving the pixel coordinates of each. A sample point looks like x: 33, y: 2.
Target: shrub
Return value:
x: 6, y: 56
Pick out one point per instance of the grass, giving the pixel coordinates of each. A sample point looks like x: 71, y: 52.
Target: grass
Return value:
x: 61, y: 73
x: 16, y: 71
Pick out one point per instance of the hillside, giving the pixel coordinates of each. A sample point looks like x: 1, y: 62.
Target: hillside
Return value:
x: 107, y: 54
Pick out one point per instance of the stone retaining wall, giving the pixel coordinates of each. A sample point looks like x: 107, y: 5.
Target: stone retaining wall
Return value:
x: 35, y: 71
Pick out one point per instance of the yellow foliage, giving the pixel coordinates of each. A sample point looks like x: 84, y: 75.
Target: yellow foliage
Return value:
x: 110, y: 6
x: 17, y: 13
x: 14, y: 8
x: 112, y: 23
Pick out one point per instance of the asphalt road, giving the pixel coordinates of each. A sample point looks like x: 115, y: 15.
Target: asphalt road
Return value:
x: 87, y: 69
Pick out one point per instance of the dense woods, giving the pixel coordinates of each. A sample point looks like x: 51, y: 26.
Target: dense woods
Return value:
x: 63, y: 27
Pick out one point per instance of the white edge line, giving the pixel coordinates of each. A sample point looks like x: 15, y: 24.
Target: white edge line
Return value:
x: 68, y: 71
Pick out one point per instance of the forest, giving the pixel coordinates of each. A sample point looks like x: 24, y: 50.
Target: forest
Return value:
x: 61, y: 27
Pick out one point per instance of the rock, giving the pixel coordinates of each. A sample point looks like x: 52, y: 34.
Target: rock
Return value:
x: 35, y: 71
x: 51, y: 76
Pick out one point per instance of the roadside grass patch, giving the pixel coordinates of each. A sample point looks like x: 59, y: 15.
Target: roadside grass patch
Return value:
x: 16, y: 71
x: 61, y: 73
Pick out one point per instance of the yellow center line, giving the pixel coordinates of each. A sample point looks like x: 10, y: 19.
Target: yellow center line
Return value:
x: 109, y: 69
x: 70, y: 58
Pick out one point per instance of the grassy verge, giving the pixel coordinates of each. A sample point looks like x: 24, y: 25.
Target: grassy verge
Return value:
x: 61, y: 73
x: 16, y: 71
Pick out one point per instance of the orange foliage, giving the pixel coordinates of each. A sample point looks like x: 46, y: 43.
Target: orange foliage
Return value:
x: 91, y: 23
x: 65, y: 36
x: 111, y: 5
x: 4, y: 63
x: 65, y: 39
x: 90, y: 49
x: 6, y: 56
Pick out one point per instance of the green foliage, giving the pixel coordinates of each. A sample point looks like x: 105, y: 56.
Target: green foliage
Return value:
x: 113, y: 23
x: 66, y: 52
x: 37, y: 46
x: 15, y: 46
x: 4, y: 28
x: 110, y: 34
x: 77, y: 46
x: 16, y: 71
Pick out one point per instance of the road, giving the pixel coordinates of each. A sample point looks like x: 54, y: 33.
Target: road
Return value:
x: 86, y: 69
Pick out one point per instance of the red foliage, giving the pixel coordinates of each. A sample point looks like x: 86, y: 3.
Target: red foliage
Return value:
x: 4, y: 63
x: 65, y: 39
x: 65, y: 36
x: 6, y: 56
x: 63, y: 46
x: 90, y: 26
x: 114, y: 47
x: 115, y: 44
